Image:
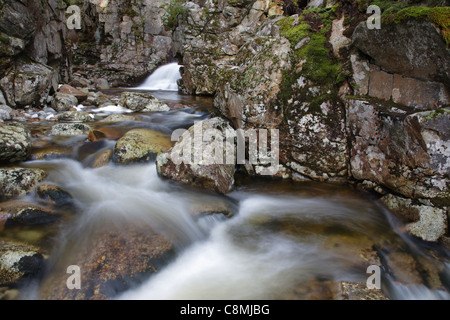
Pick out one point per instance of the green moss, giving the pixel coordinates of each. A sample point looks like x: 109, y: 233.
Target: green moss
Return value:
x: 436, y: 113
x: 173, y: 10
x: 440, y: 16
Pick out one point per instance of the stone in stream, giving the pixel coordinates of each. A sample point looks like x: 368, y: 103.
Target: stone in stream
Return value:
x: 18, y: 262
x: 70, y: 129
x: 119, y: 118
x: 114, y: 262
x: 15, y: 142
x: 80, y: 95
x: 16, y: 182
x: 63, y: 102
x: 140, y: 145
x: 53, y: 195
x: 51, y: 152
x: 25, y: 213
x: 213, y: 171
x: 142, y: 102
x: 75, y: 116
x: 102, y: 159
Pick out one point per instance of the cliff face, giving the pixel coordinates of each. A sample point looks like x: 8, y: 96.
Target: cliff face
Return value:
x: 32, y: 56
x: 122, y: 41
x: 351, y: 104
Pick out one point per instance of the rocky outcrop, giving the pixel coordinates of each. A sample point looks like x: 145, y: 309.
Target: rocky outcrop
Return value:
x: 121, y: 41
x: 15, y: 142
x: 203, y: 157
x: 32, y: 57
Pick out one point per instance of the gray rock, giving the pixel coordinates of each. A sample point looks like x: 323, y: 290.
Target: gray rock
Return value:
x: 26, y: 83
x: 70, y: 129
x: 412, y: 48
x: 75, y: 116
x: 16, y: 182
x: 64, y: 102
x: 207, y: 167
x: 15, y: 142
x: 5, y: 112
x: 18, y: 262
x: 142, y: 102
x: 102, y: 84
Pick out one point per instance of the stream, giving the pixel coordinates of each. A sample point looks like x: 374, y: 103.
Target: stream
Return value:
x: 281, y: 240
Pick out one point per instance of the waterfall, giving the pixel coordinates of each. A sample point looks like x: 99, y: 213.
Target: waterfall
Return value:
x: 164, y: 78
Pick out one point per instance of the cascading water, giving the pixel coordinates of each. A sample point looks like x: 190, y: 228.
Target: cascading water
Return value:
x: 164, y: 78
x: 283, y: 241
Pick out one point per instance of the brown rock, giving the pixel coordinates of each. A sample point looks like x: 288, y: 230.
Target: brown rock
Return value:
x: 113, y: 262
x: 24, y: 213
x: 380, y: 85
x: 102, y: 159
x: 80, y: 95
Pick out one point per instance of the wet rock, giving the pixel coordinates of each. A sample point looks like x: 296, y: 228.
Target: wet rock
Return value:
x: 53, y: 195
x: 97, y: 99
x: 15, y: 142
x: 209, y: 208
x: 203, y: 164
x: 51, y: 152
x: 102, y: 159
x: 140, y: 145
x: 24, y: 213
x: 142, y: 102
x: 9, y: 294
x: 69, y: 90
x: 18, y: 262
x: 105, y: 133
x: 432, y: 223
x: 16, y: 182
x: 75, y: 116
x: 63, y: 102
x: 70, y: 129
x: 358, y: 291
x: 115, y: 261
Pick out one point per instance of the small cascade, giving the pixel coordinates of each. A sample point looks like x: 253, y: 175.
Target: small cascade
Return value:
x: 163, y: 79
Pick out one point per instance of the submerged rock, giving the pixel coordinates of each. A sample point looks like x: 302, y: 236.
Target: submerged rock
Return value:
x: 24, y: 213
x: 70, y: 129
x: 142, y: 102
x: 114, y: 262
x: 51, y: 152
x: 53, y: 195
x: 358, y: 291
x: 205, y: 163
x: 15, y: 142
x: 16, y: 182
x: 140, y: 145
x: 18, y: 262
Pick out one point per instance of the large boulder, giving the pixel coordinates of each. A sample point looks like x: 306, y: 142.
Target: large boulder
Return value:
x: 202, y: 158
x: 405, y: 152
x: 140, y: 145
x: 410, y: 47
x: 64, y: 101
x: 16, y: 182
x: 18, y: 262
x: 26, y: 83
x: 15, y: 142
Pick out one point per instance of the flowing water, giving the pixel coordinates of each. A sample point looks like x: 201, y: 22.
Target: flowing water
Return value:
x: 164, y: 78
x: 282, y: 240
